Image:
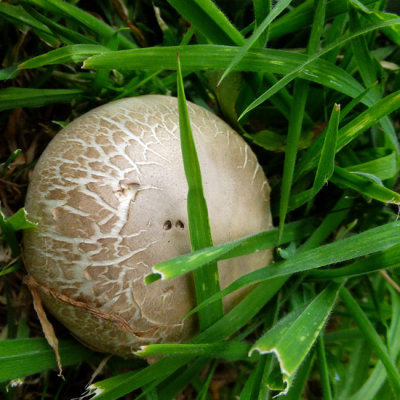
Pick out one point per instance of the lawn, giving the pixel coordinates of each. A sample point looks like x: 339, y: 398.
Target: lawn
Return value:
x: 313, y: 87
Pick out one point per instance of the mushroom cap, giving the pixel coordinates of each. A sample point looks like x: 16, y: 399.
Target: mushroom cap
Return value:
x: 109, y: 195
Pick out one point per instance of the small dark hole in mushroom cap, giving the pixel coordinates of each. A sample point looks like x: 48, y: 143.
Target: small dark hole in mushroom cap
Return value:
x: 167, y: 225
x: 179, y: 224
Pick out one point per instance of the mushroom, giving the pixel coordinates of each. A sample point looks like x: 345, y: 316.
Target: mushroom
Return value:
x: 109, y: 198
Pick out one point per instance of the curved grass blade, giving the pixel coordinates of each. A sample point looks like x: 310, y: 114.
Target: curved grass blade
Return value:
x: 378, y: 376
x: 212, y: 57
x: 363, y: 185
x: 300, y: 94
x: 350, y: 131
x: 382, y: 167
x: 305, y: 325
x: 296, y: 72
x: 112, y: 388
x: 375, y: 16
x: 389, y: 258
x: 373, y: 338
x: 22, y: 357
x: 70, y: 11
x: 205, y: 279
x: 18, y: 16
x: 261, y: 10
x: 367, y: 242
x: 252, y: 40
x: 13, y: 97
x: 66, y: 35
x: 302, y: 16
x: 72, y: 53
x: 250, y: 244
x: 209, y: 20
x: 325, y: 165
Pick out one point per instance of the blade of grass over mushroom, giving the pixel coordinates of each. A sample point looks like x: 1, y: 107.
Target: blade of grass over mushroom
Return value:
x: 206, y: 279
x: 19, y: 220
x: 350, y: 131
x: 229, y: 350
x: 247, y: 245
x: 252, y: 40
x: 230, y: 323
x: 298, y: 70
x: 204, y: 57
x: 212, y: 22
x: 373, y: 339
x: 13, y: 97
x: 364, y: 185
x: 367, y: 242
x: 72, y: 53
x: 305, y: 325
x: 22, y: 357
x: 96, y: 25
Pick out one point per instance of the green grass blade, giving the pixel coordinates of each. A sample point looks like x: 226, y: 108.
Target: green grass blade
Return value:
x: 18, y: 16
x: 231, y: 350
x: 383, y: 167
x: 302, y: 16
x: 306, y: 327
x: 19, y: 220
x: 297, y: 112
x: 112, y: 388
x: 300, y: 380
x: 375, y: 16
x: 66, y: 35
x: 378, y: 376
x: 252, y: 40
x: 373, y: 338
x: 296, y: 72
x: 332, y: 220
x: 73, y: 53
x: 13, y: 97
x: 389, y: 258
x: 326, y: 164
x: 261, y: 10
x: 350, y: 131
x: 70, y: 11
x: 323, y: 369
x: 367, y: 242
x: 209, y: 20
x: 22, y: 357
x: 364, y: 185
x: 205, y: 279
x: 247, y: 245
x: 295, y: 125
x: 212, y: 57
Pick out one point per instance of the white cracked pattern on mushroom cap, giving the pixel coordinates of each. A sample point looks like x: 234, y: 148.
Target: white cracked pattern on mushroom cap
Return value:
x: 109, y: 195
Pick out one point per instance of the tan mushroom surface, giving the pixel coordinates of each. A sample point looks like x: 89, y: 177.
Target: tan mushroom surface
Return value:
x: 109, y: 195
